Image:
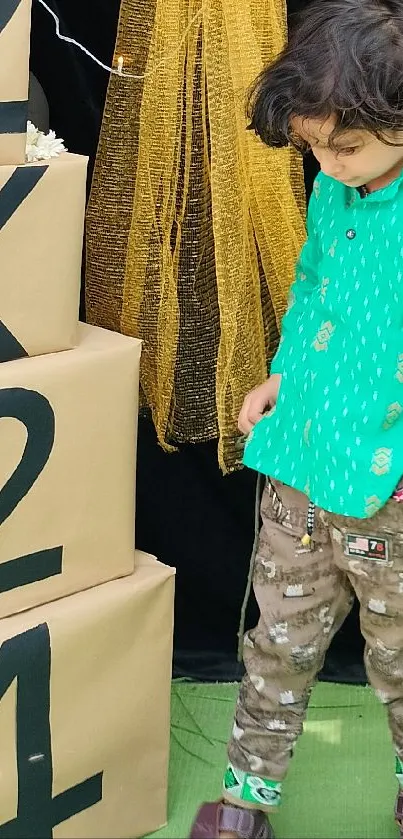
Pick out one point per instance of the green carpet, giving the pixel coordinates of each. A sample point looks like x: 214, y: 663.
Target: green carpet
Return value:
x: 341, y: 782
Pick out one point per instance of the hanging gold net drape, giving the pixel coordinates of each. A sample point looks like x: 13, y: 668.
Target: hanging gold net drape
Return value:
x: 193, y: 226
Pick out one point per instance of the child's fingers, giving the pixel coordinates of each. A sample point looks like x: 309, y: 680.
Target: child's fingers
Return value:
x: 244, y: 424
x: 248, y: 418
x: 254, y: 416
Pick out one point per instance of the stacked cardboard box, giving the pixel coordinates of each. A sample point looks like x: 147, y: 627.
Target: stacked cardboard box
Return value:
x: 85, y: 621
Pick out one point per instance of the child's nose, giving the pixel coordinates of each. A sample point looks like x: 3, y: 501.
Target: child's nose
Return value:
x: 331, y: 171
x: 328, y: 163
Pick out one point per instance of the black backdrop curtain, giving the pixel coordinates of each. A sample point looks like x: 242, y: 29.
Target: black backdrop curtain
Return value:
x: 188, y: 514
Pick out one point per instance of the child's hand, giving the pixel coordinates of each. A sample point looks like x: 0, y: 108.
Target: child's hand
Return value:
x: 257, y: 401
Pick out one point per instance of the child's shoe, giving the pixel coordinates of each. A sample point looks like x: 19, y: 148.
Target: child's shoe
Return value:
x: 218, y: 817
x: 399, y: 812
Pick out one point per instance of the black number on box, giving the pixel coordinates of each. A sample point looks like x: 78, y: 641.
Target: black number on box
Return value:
x: 27, y: 658
x: 8, y: 7
x: 15, y: 191
x: 35, y: 412
x: 10, y: 348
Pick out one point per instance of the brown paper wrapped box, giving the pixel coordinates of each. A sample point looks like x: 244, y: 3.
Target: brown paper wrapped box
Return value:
x: 84, y: 747
x: 67, y: 469
x: 15, y: 27
x: 42, y: 209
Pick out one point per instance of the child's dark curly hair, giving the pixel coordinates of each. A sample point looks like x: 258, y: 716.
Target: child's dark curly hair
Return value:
x: 344, y: 59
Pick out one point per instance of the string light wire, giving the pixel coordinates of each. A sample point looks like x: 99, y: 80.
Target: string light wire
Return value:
x: 118, y: 71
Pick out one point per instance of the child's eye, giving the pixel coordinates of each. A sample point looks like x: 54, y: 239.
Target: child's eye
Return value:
x: 348, y: 150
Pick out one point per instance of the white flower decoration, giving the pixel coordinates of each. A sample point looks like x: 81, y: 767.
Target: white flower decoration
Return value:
x: 32, y: 134
x: 42, y: 146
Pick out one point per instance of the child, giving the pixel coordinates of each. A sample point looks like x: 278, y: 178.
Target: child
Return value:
x: 327, y: 426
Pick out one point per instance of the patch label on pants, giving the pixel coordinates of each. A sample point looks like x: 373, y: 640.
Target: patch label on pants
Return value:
x: 233, y: 781
x: 252, y: 788
x: 366, y: 547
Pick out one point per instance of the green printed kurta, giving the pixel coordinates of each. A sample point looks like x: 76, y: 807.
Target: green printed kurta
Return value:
x: 336, y: 432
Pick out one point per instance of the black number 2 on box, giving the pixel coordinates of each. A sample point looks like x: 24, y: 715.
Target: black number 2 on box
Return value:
x: 35, y: 412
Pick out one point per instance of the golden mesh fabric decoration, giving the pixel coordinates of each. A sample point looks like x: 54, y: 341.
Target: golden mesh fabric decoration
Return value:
x: 193, y: 226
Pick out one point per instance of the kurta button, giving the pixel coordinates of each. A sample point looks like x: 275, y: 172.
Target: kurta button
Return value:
x: 351, y: 234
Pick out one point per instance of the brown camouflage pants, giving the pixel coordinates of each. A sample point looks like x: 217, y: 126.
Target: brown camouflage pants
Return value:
x: 304, y: 596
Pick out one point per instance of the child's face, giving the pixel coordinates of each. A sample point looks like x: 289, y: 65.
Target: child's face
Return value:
x: 360, y: 157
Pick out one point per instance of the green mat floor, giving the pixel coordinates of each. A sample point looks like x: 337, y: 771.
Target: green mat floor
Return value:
x: 341, y: 782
